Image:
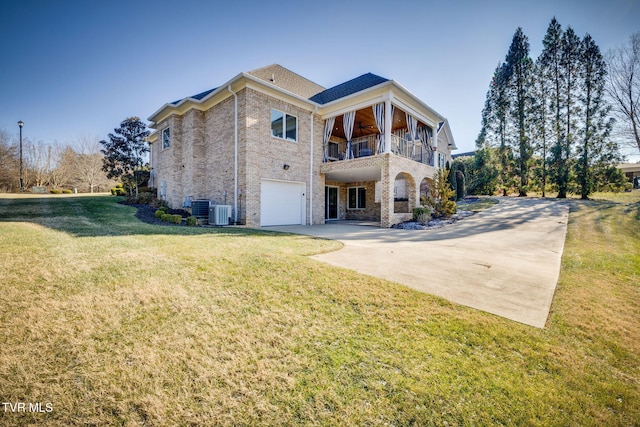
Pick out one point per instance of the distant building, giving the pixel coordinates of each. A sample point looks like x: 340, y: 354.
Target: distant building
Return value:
x: 632, y: 172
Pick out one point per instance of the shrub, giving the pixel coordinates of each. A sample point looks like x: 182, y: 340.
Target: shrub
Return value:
x: 141, y: 198
x: 159, y: 213
x: 423, y: 218
x: 176, y: 219
x: 166, y: 217
x: 422, y: 212
x: 56, y: 191
x: 192, y: 221
x: 442, y: 204
x: 118, y: 190
x: 156, y: 202
x: 165, y: 209
x: 67, y: 191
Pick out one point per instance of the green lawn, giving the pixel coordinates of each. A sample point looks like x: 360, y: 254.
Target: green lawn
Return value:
x: 116, y: 322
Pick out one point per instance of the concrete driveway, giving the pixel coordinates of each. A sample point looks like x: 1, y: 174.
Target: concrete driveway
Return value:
x: 504, y: 260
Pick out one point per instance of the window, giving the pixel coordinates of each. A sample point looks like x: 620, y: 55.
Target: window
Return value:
x: 284, y: 125
x: 166, y: 138
x: 357, y: 198
x: 442, y: 161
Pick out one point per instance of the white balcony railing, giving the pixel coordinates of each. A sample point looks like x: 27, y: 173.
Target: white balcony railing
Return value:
x: 368, y: 146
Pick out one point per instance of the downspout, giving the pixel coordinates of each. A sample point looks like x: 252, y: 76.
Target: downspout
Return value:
x: 315, y: 110
x: 235, y: 155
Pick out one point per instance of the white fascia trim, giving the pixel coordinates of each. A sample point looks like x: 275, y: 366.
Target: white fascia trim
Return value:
x: 447, y: 130
x: 391, y: 84
x: 187, y: 103
x: 175, y: 108
x: 419, y: 101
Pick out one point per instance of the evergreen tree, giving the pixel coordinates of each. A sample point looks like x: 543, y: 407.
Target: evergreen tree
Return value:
x: 570, y: 63
x: 539, y: 112
x: 595, y: 151
x: 495, y: 124
x: 481, y: 169
x: 519, y: 80
x: 550, y: 72
x: 124, y: 150
x: 555, y: 109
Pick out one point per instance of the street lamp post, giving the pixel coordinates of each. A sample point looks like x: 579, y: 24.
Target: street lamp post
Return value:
x: 21, y: 123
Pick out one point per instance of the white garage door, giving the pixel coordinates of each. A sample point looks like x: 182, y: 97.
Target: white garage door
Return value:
x: 282, y: 203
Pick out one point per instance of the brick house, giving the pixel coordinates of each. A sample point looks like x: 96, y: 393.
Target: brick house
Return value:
x: 281, y: 149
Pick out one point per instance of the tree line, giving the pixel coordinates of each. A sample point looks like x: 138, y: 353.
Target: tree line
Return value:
x: 547, y: 123
x: 55, y: 166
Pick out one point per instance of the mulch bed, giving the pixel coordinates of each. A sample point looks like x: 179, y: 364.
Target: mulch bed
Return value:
x: 146, y: 213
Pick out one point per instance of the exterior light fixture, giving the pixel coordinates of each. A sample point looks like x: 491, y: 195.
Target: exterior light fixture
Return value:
x: 286, y: 167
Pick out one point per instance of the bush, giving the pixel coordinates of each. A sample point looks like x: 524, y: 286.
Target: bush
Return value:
x: 118, y: 190
x: 422, y: 214
x: 159, y: 213
x: 175, y: 219
x: 442, y: 204
x: 192, y: 221
x: 56, y: 191
x: 156, y: 202
x: 67, y: 191
x: 142, y: 198
x: 165, y: 209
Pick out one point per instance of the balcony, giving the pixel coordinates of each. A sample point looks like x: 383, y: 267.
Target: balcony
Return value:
x: 366, y: 146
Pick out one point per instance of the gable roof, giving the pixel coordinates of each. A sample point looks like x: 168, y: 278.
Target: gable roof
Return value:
x: 281, y: 82
x: 198, y: 96
x: 358, y: 84
x: 279, y: 76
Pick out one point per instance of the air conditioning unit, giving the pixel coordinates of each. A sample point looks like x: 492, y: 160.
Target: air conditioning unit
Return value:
x: 200, y: 209
x: 219, y: 214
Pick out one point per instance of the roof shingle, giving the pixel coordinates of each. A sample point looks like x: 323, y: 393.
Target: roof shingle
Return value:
x: 352, y: 86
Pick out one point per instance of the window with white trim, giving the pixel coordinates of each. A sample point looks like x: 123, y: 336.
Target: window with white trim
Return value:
x: 166, y: 138
x: 284, y: 125
x: 357, y: 197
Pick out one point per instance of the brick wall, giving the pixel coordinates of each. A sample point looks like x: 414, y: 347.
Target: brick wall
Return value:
x: 267, y: 155
x: 200, y: 161
x: 387, y: 210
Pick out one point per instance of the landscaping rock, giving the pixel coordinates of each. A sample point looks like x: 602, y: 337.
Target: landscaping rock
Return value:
x: 434, y: 223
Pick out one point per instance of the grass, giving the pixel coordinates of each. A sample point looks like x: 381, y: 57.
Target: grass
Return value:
x: 115, y: 322
x: 477, y: 205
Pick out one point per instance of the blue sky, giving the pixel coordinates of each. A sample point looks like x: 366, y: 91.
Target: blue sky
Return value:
x: 76, y: 68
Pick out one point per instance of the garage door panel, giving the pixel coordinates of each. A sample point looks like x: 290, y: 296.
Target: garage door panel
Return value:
x: 282, y: 203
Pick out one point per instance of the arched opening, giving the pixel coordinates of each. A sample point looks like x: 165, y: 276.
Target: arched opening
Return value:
x: 404, y: 188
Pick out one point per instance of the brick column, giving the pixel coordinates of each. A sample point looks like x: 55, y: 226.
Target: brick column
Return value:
x: 386, y: 196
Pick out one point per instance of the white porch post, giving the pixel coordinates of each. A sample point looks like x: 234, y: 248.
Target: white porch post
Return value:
x: 387, y: 124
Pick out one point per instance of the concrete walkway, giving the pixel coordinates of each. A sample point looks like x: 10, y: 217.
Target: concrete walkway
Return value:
x: 504, y: 260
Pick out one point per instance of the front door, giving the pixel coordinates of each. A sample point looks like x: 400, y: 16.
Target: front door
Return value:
x: 331, y: 202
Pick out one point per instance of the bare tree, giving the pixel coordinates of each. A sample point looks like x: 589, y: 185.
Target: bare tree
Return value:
x: 38, y: 163
x: 63, y: 160
x: 88, y: 166
x: 9, y: 175
x: 624, y: 87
